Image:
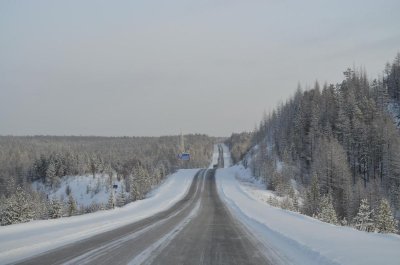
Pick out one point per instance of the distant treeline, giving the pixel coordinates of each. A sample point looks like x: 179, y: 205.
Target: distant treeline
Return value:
x: 140, y: 161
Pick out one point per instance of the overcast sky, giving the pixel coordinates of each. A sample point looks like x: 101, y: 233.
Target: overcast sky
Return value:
x: 160, y: 67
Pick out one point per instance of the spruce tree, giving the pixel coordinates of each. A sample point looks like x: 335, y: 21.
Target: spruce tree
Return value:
x: 72, y: 208
x: 385, y: 222
x: 121, y: 199
x: 111, y: 200
x: 55, y: 209
x: 18, y: 208
x: 326, y: 212
x: 363, y: 220
x: 312, y: 198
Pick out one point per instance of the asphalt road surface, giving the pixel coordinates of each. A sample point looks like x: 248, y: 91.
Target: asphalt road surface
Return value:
x: 199, y: 229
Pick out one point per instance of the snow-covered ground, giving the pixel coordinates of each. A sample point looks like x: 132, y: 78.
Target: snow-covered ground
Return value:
x: 23, y: 240
x: 298, y: 239
x: 85, y: 189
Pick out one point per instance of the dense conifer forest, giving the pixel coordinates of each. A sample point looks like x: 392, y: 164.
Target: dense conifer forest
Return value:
x: 340, y: 143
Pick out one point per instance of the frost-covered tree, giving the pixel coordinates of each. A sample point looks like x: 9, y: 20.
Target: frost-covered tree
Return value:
x: 313, y: 197
x: 51, y: 173
x: 18, y: 208
x: 111, y: 199
x: 72, y: 208
x: 296, y: 205
x: 384, y: 221
x: 55, y: 209
x: 363, y: 220
x: 121, y: 198
x: 326, y: 211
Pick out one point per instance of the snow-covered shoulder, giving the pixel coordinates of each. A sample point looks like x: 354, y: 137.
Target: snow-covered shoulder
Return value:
x: 227, y: 156
x: 298, y: 239
x: 23, y: 240
x: 214, y: 159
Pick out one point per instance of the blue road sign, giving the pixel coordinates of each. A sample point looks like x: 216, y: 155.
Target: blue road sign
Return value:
x: 184, y: 156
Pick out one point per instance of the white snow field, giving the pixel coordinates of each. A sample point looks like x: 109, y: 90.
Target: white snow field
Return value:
x: 23, y: 240
x: 293, y: 238
x: 85, y: 189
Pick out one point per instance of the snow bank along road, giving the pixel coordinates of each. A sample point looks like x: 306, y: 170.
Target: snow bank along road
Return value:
x: 198, y: 229
x: 204, y: 216
x: 28, y: 239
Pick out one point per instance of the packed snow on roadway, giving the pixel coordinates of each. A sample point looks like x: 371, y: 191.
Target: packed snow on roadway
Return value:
x: 293, y: 238
x: 23, y: 240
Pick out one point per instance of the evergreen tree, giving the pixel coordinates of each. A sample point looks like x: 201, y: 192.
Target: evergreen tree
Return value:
x: 326, y: 212
x: 296, y: 206
x: 363, y: 220
x: 54, y: 209
x: 385, y: 222
x: 312, y: 199
x: 18, y: 208
x: 121, y: 199
x: 51, y: 173
x: 111, y: 199
x: 72, y: 208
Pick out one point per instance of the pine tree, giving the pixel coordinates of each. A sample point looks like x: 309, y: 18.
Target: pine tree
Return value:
x: 385, y: 222
x: 363, y: 220
x: 326, y: 212
x: 72, y: 208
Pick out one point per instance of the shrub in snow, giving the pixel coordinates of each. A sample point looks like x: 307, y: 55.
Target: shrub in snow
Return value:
x: 326, y: 212
x: 363, y: 220
x: 287, y: 204
x: 273, y: 201
x: 385, y: 222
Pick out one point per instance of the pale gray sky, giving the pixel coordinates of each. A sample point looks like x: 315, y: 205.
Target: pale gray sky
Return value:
x: 158, y: 67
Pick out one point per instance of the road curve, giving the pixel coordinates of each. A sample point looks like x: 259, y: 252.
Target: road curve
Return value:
x: 212, y: 237
x: 199, y: 229
x: 121, y: 245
